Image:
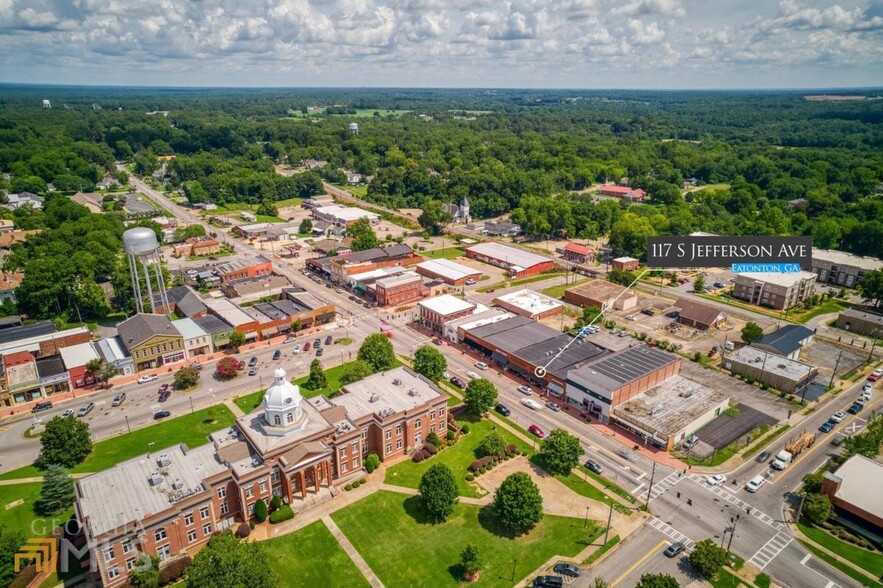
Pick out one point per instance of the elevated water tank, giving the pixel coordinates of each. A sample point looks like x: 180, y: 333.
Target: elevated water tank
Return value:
x: 354, y: 128
x: 140, y: 241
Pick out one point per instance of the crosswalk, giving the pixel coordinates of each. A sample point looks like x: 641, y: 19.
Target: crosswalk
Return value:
x: 670, y: 532
x: 768, y: 552
x: 738, y: 502
x: 664, y: 484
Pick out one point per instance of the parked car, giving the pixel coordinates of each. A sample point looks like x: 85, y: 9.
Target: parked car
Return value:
x: 329, y: 340
x: 473, y: 375
x: 307, y: 346
x: 41, y: 406
x: 865, y: 396
x: 691, y: 442
x: 437, y: 341
x: 481, y: 365
x: 648, y: 312
x: 838, y: 440
x: 297, y: 348
x: 253, y: 371
x: 163, y: 388
x: 719, y: 285
x: 252, y: 362
x: 675, y: 549
x: 277, y: 354
x: 594, y: 466
x: 196, y: 365
x: 716, y: 480
x: 503, y: 409
x: 755, y: 483
x: 826, y: 427
x: 161, y: 415
x: 240, y: 365
x: 317, y: 342
x: 553, y: 406
x: 531, y: 403
x: 147, y: 378
x: 868, y: 386
x: 68, y: 413
x: 290, y: 339
x: 536, y: 430
x: 548, y: 582
x: 855, y: 408
x: 566, y: 569
x: 525, y: 390
x: 837, y: 417
x: 875, y: 375
x: 629, y: 317
x: 164, y: 396
x: 318, y: 352
x: 85, y: 409
x: 458, y: 382
x: 470, y: 281
x: 118, y: 399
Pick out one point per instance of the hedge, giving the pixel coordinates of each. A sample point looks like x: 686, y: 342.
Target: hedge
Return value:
x: 243, y: 531
x: 483, y: 463
x: 430, y: 448
x: 283, y: 513
x: 174, y: 569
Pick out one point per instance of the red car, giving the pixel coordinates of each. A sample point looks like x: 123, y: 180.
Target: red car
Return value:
x: 875, y: 375
x: 536, y: 430
x: 164, y: 388
x: 307, y: 346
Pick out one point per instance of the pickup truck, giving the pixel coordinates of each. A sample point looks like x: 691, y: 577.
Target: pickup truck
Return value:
x: 783, y: 459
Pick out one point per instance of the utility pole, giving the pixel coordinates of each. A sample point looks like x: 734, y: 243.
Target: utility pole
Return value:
x: 650, y: 489
x: 836, y: 365
x: 586, y: 522
x: 609, y: 518
x: 735, y: 521
x: 800, y: 507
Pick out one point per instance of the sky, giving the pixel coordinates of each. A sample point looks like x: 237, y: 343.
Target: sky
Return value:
x: 444, y: 43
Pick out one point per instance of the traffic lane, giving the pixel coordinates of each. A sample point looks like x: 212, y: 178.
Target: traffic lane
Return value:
x: 641, y: 553
x: 796, y: 568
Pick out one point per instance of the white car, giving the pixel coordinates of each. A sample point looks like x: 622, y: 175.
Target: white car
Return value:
x: 481, y: 365
x: 629, y: 317
x: 147, y: 378
x: 868, y: 386
x: 866, y: 395
x: 716, y: 480
x: 297, y: 348
x: 525, y: 390
x: 531, y: 403
x: 473, y: 375
x: 838, y: 416
x: 446, y: 376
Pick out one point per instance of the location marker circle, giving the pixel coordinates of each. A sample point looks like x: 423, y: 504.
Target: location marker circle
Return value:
x: 540, y: 372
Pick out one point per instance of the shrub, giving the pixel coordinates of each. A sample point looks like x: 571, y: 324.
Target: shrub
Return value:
x: 243, y: 530
x: 482, y: 470
x: 481, y: 463
x: 470, y: 477
x: 260, y: 510
x: 430, y: 448
x: 417, y: 457
x: 511, y: 449
x: 432, y: 439
x: 465, y: 429
x: 275, y: 503
x: 450, y: 435
x: 174, y: 569
x: 372, y: 462
x: 251, y: 524
x: 348, y: 487
x: 284, y: 513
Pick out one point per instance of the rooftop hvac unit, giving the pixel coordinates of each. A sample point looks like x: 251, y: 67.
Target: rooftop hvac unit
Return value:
x: 164, y: 461
x: 781, y: 366
x: 373, y: 398
x: 397, y: 382
x: 155, y: 479
x: 412, y: 392
x: 686, y: 393
x: 657, y: 410
x: 177, y: 484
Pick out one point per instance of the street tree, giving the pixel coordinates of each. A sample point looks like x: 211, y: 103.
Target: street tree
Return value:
x: 707, y: 558
x: 518, y: 504
x: 316, y: 379
x: 479, y: 396
x: 57, y: 492
x: 434, y: 217
x: 751, y: 332
x: 65, y: 442
x: 107, y: 372
x: 355, y: 371
x: 871, y: 287
x: 470, y: 563
x: 186, y: 378
x: 492, y: 444
x: 817, y: 508
x: 227, y: 368
x: 237, y: 339
x: 560, y: 452
x: 94, y: 367
x: 362, y: 235
x: 657, y: 581
x: 430, y: 363
x: 147, y: 576
x: 438, y: 491
x: 377, y: 351
x: 699, y: 283
x: 228, y: 561
x: 306, y: 227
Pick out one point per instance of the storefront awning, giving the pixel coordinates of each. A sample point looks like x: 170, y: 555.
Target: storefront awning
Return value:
x: 499, y: 358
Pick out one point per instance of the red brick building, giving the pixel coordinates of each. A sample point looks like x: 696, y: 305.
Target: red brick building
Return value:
x: 625, y: 264
x: 578, y: 253
x: 400, y: 289
x: 437, y: 311
x: 855, y: 488
x: 625, y: 192
x: 238, y: 269
x: 517, y: 262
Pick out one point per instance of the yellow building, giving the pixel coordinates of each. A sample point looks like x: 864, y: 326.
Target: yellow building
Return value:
x: 151, y: 340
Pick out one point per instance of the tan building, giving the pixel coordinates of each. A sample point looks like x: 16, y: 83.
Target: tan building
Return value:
x: 601, y: 294
x: 856, y: 488
x: 860, y: 322
x: 841, y: 268
x: 151, y: 340
x: 767, y: 368
x: 529, y: 303
x: 775, y: 290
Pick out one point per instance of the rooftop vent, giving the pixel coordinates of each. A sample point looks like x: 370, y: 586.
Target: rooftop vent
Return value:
x: 177, y: 484
x: 373, y: 398
x: 155, y: 479
x: 781, y: 366
x: 657, y: 410
x: 686, y: 393
x: 164, y: 461
x: 412, y: 392
x: 397, y: 382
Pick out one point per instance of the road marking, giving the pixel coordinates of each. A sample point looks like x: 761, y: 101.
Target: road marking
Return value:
x: 664, y: 484
x: 830, y: 584
x: 805, y: 559
x: 743, y: 506
x: 638, y: 488
x: 634, y: 566
x: 670, y: 531
x: 770, y: 550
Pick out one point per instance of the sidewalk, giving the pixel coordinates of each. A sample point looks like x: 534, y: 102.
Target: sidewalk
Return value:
x: 352, y: 553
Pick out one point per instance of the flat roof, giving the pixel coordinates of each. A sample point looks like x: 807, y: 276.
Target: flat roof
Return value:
x: 861, y: 483
x: 769, y: 363
x: 446, y: 304
x: 188, y: 328
x: 598, y: 290
x: 386, y: 393
x: 514, y: 334
x: 669, y: 407
x: 37, y: 329
x: 786, y: 339
x: 480, y: 318
x: 399, y: 279
x: 779, y: 279
x: 306, y: 299
x: 844, y: 258
x: 625, y: 259
x: 861, y: 314
x: 347, y: 213
x: 509, y: 255
x: 448, y: 269
x: 560, y: 354
x: 228, y: 311
x: 77, y: 355
x: 530, y: 301
x: 212, y: 324
x: 621, y: 368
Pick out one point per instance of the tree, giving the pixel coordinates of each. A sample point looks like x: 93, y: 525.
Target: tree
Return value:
x: 267, y: 208
x: 316, y: 379
x: 751, y: 332
x: 306, y: 227
x: 108, y: 372
x: 518, y: 504
x: 186, y: 377
x: 628, y: 235
x: 590, y: 313
x: 237, y: 339
x: 377, y: 351
x: 94, y: 368
x: 708, y: 558
x: 260, y: 510
x: 470, y: 563
x: 57, y: 492
x: 227, y: 368
x: 430, y: 363
x: 817, y: 508
x: 871, y: 287
x: 699, y: 283
x: 492, y: 444
x: 561, y: 452
x: 227, y: 561
x: 372, y: 462
x: 438, y: 490
x: 479, y: 396
x: 434, y: 217
x: 812, y: 483
x: 657, y: 581
x: 189, y: 232
x: 10, y: 543
x: 362, y: 235
x: 355, y: 371
x: 65, y: 442
x: 147, y: 577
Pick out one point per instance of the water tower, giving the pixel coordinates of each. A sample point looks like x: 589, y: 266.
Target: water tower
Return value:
x: 140, y: 244
x: 354, y: 129
x: 47, y: 105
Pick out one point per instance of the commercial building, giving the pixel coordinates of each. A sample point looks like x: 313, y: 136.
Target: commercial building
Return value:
x: 234, y: 316
x: 238, y: 269
x: 625, y: 264
x: 171, y: 502
x: 860, y: 322
x: 112, y: 351
x: 247, y: 289
x: 502, y: 229
x: 516, y: 262
x: 667, y: 414
x: 438, y: 311
x: 41, y: 338
x: 775, y: 371
x: 855, y: 489
x: 75, y: 358
x: 529, y: 303
x: 343, y: 216
x: 196, y: 341
x: 401, y: 289
x: 842, y: 269
x: 699, y: 316
x: 786, y: 341
x: 197, y: 247
x: 597, y: 388
x: 309, y: 309
x: 339, y: 268
x: 601, y: 294
x: 774, y: 290
x: 217, y: 329
x: 455, y: 330
x: 633, y: 194
x: 183, y: 301
x: 151, y: 340
x: 450, y: 272
x: 578, y: 253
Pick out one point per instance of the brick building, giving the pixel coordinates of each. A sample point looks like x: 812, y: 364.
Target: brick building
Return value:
x: 238, y: 269
x: 855, y: 488
x: 601, y: 294
x: 625, y: 264
x: 400, y: 289
x: 578, y: 253
x: 437, y: 311
x: 450, y: 272
x: 517, y: 262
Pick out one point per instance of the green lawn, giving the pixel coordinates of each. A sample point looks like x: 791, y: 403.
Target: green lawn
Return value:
x: 190, y: 429
x: 312, y: 557
x: 443, y: 253
x: 522, y: 281
x: 557, y: 292
x: 391, y: 532
x: 725, y: 579
x: 798, y: 315
x: 24, y: 518
x: 457, y: 457
x: 848, y: 570
x: 268, y: 219
x: 288, y: 202
x: 577, y: 482
x: 764, y: 441
x: 866, y: 560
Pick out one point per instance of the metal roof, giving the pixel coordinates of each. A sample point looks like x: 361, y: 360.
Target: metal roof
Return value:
x: 26, y: 331
x: 508, y: 255
x: 787, y: 339
x: 448, y: 269
x: 212, y: 324
x: 141, y: 327
x: 624, y: 367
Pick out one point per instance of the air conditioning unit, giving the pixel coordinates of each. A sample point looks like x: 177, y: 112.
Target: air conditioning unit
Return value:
x: 177, y: 484
x: 155, y: 479
x: 164, y: 460
x: 412, y: 392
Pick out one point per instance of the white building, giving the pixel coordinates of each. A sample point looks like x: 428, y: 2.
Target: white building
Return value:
x: 196, y: 341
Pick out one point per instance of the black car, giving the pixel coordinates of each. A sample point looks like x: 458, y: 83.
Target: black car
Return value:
x: 675, y: 549
x: 503, y: 409
x: 277, y: 355
x: 318, y: 352
x: 317, y: 342
x: 566, y: 569
x: 855, y: 408
x: 648, y: 312
x: 594, y: 466
x: 164, y: 396
x: 548, y: 582
x: 329, y: 340
x: 252, y: 362
x: 763, y: 456
x: 161, y: 415
x: 41, y: 406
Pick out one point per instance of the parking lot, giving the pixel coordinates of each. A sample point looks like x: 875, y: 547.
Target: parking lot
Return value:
x: 725, y: 429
